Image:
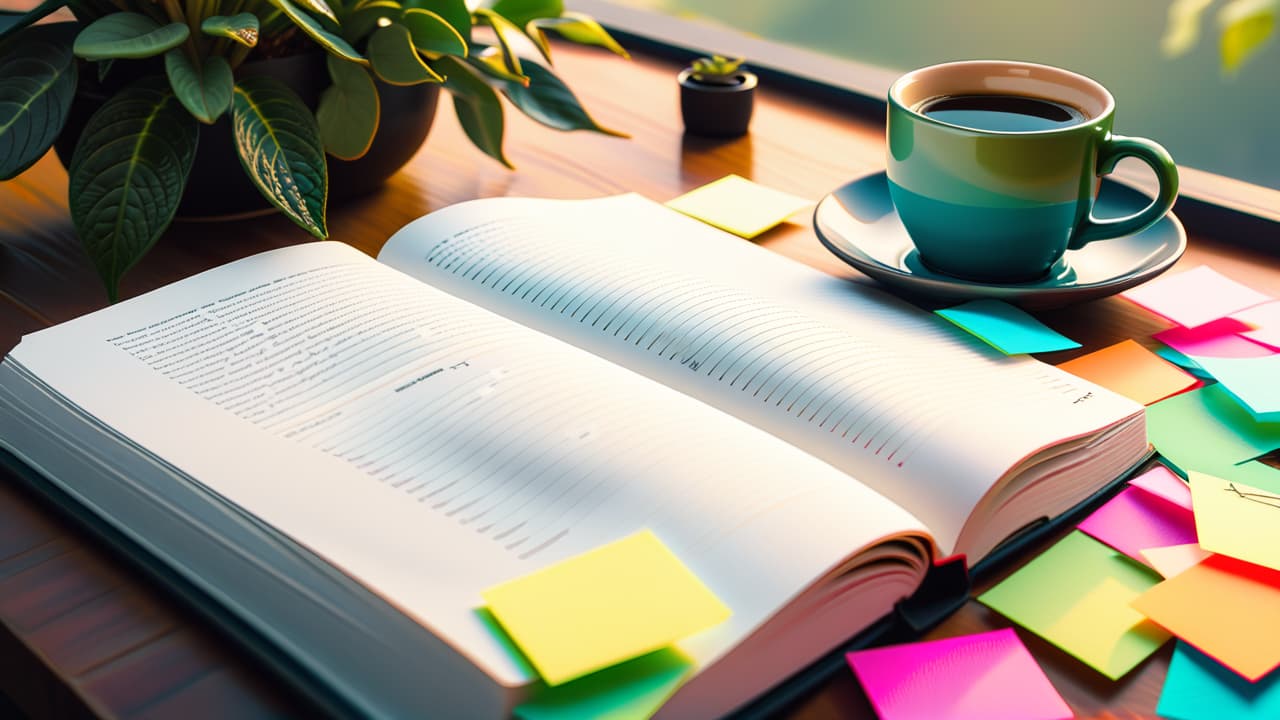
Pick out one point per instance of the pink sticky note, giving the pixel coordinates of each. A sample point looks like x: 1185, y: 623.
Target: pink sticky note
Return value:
x: 1195, y: 297
x: 1162, y: 483
x: 1265, y: 319
x: 1134, y: 520
x: 990, y: 675
x: 1220, y: 339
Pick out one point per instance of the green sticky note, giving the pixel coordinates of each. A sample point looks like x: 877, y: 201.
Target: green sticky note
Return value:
x: 738, y: 205
x: 1253, y: 381
x: 1076, y: 595
x: 1006, y: 328
x: 633, y: 690
x: 1207, y: 430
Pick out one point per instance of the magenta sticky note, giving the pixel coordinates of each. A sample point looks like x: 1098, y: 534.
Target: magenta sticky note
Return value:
x: 1195, y: 297
x: 1162, y: 483
x: 1218, y: 339
x: 990, y: 676
x: 1135, y: 520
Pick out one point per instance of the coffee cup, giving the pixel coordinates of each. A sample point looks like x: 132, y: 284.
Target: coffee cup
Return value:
x: 993, y: 166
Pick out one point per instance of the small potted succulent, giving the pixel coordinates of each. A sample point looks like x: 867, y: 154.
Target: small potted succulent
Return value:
x: 717, y: 96
x: 160, y: 105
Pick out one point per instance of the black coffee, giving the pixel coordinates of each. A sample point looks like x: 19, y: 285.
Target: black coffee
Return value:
x: 1001, y: 113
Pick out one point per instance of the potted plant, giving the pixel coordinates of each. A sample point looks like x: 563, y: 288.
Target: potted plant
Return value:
x: 276, y: 84
x: 717, y: 96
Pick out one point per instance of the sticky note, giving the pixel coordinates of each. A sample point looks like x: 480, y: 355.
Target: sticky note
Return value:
x: 1207, y: 430
x: 1169, y: 561
x: 1237, y: 520
x: 1077, y: 596
x: 1254, y: 382
x: 1006, y: 328
x: 1197, y: 688
x: 1226, y: 608
x: 1220, y: 338
x: 988, y: 676
x: 632, y: 690
x: 1131, y: 370
x: 1162, y: 483
x: 1183, y: 361
x: 1134, y: 519
x: 1265, y: 321
x: 738, y: 205
x: 1194, y: 297
x: 607, y: 605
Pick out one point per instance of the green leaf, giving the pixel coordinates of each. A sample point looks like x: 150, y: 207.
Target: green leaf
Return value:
x: 507, y: 35
x: 321, y: 8
x: 477, y: 105
x: 37, y: 82
x: 395, y: 60
x: 127, y: 176
x: 14, y: 23
x: 1246, y: 25
x: 549, y: 101
x: 205, y: 92
x: 242, y: 28
x: 520, y: 12
x: 279, y: 146
x: 325, y: 39
x: 128, y: 35
x: 454, y: 12
x: 488, y: 60
x: 349, y: 110
x: 359, y: 23
x: 432, y: 33
x: 574, y: 27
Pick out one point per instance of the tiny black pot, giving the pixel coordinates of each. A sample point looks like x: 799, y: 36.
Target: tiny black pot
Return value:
x: 218, y: 187
x: 717, y: 109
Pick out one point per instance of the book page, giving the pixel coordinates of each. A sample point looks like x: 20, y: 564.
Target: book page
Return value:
x: 432, y: 449
x: 896, y: 397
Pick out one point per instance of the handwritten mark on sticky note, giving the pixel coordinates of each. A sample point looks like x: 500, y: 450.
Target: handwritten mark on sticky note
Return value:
x: 1046, y: 596
x: 989, y: 676
x: 1131, y: 370
x: 1198, y: 688
x: 607, y: 605
x: 1226, y: 608
x: 1195, y: 297
x: 738, y: 205
x: 1237, y: 520
x: 1006, y: 328
x: 1133, y: 520
x: 631, y: 690
x: 1169, y: 561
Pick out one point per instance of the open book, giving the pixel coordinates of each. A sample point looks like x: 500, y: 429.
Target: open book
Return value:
x: 341, y: 454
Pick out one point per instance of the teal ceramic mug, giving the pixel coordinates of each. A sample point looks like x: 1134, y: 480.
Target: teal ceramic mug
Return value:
x: 1002, y: 202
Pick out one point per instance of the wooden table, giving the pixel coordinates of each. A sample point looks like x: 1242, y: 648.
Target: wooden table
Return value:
x: 81, y: 633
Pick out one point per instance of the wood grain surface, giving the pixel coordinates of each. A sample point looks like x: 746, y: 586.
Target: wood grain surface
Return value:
x: 82, y: 634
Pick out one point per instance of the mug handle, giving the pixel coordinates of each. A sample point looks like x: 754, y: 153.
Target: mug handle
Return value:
x: 1114, y: 148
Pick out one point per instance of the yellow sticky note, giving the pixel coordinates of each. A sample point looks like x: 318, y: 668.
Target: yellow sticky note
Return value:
x: 1131, y: 370
x: 738, y: 205
x: 1236, y: 519
x: 1173, y: 559
x: 602, y: 607
x: 1226, y: 608
x: 1105, y: 632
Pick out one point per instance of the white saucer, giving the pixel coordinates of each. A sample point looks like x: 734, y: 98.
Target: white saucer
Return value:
x: 857, y: 222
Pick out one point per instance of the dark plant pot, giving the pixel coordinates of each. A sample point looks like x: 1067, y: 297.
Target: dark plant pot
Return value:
x: 715, y: 109
x: 218, y: 187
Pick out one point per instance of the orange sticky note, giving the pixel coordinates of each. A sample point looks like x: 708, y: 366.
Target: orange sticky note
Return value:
x: 1227, y: 608
x: 1131, y: 370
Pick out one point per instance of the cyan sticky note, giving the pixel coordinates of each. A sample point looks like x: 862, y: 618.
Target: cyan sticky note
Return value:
x: 1199, y: 688
x: 1254, y: 381
x: 1006, y: 328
